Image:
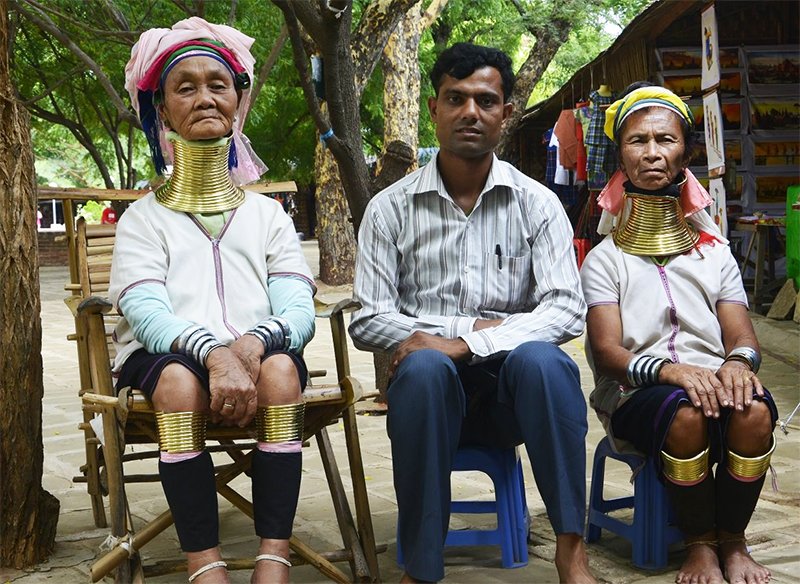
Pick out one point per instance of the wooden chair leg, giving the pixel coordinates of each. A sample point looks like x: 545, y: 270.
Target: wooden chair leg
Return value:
x: 363, y: 514
x: 347, y: 527
x: 92, y: 472
x: 116, y: 488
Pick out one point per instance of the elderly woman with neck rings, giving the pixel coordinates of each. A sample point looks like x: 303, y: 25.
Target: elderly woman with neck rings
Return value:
x: 670, y: 340
x: 216, y: 296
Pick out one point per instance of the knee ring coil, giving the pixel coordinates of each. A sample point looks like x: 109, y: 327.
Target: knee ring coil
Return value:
x: 282, y: 423
x: 686, y: 470
x: 181, y: 431
x: 750, y: 468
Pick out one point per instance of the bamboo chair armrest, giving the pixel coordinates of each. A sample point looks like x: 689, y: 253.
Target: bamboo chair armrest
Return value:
x: 325, y: 310
x: 81, y: 306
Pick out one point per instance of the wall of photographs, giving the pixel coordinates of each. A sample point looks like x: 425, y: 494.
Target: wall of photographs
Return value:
x: 760, y: 94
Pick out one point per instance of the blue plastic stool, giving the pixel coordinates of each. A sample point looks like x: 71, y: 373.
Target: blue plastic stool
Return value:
x: 505, y: 469
x: 651, y: 532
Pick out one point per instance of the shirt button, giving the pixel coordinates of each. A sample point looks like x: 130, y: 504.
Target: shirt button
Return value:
x: 466, y: 268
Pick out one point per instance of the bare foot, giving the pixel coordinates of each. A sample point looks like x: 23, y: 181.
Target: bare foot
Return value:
x: 739, y: 567
x: 701, y: 566
x: 571, y: 561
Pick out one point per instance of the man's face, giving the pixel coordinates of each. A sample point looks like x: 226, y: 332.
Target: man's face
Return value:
x: 199, y: 99
x: 469, y: 113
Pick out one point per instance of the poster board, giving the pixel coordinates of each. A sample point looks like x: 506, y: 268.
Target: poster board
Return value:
x: 710, y: 49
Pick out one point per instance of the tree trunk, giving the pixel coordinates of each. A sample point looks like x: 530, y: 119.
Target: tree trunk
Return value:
x: 28, y: 514
x: 547, y: 44
x: 401, y: 93
x: 337, y: 246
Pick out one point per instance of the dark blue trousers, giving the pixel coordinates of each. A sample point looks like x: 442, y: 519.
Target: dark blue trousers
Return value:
x: 435, y: 405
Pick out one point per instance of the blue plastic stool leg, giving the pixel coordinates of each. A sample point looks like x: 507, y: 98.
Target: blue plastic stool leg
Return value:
x: 650, y: 533
x: 511, y: 534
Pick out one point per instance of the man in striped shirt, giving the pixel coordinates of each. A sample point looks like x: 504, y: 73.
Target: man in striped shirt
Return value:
x: 465, y: 271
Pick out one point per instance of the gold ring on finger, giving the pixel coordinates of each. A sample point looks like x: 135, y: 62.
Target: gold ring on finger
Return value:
x: 746, y: 379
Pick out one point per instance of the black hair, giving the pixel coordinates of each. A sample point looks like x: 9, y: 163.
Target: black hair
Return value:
x: 689, y: 135
x: 462, y: 59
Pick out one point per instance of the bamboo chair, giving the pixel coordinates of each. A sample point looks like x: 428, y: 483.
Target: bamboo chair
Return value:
x: 128, y: 418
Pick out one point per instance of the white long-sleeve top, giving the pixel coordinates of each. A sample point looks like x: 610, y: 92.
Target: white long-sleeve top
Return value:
x: 220, y: 282
x: 424, y: 264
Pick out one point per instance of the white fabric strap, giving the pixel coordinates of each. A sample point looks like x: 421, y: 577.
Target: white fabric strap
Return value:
x: 207, y: 567
x: 272, y: 558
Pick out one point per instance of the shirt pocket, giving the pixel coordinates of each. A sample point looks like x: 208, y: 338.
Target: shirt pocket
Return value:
x: 504, y: 289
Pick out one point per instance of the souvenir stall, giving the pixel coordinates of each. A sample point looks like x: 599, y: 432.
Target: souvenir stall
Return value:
x: 737, y: 63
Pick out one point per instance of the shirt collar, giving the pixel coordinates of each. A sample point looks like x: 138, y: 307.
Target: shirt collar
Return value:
x: 431, y: 181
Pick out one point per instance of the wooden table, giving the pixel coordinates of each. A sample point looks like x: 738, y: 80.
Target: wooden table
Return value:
x: 764, y: 233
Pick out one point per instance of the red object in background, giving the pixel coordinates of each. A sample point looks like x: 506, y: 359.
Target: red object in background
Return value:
x: 582, y: 247
x: 109, y: 216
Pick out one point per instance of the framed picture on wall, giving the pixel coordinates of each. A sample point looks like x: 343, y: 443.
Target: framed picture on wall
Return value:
x: 733, y: 151
x: 680, y: 59
x: 776, y: 153
x: 688, y: 58
x: 775, y: 114
x: 773, y: 70
x: 772, y: 188
x: 731, y: 194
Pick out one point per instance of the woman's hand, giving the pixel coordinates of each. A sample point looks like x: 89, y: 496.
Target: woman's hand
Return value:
x: 230, y: 384
x: 740, y: 382
x: 705, y: 390
x: 249, y: 350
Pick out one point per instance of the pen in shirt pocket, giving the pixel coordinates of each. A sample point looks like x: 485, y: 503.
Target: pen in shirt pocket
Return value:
x: 499, y: 253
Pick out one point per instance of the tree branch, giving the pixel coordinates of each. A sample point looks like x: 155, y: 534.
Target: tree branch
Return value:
x: 433, y: 12
x: 377, y: 23
x: 47, y: 25
x: 320, y: 121
x: 55, y: 86
x: 263, y: 73
x: 305, y: 12
x: 126, y: 33
x: 232, y: 13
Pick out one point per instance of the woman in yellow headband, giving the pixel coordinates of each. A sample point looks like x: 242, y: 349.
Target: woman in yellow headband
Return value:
x: 671, y: 344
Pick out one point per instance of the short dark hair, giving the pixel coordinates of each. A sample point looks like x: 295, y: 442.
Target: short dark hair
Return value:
x: 462, y: 59
x: 689, y: 135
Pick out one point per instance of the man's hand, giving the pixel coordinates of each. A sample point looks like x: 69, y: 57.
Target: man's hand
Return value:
x: 230, y: 383
x: 456, y: 349
x: 737, y: 378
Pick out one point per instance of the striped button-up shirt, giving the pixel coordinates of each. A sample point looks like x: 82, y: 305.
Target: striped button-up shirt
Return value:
x: 424, y: 264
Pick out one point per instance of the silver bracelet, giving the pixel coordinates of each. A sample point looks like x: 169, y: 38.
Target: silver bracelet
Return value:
x: 274, y: 333
x: 643, y: 370
x: 748, y: 355
x: 196, y: 343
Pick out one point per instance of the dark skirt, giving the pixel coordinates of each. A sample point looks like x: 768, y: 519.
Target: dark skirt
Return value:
x: 644, y: 420
x: 142, y: 369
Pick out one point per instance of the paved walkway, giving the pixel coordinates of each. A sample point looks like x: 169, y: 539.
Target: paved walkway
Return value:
x: 774, y: 532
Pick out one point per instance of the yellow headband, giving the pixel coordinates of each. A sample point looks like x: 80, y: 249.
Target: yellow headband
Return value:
x: 643, y: 97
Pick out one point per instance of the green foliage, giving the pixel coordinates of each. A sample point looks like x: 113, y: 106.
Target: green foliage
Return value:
x: 92, y: 211
x: 279, y: 125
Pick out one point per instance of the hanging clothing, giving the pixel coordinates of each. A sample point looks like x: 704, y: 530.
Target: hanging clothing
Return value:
x: 568, y: 146
x: 601, y: 152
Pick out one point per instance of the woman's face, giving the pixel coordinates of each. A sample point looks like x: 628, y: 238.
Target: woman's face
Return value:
x: 200, y: 100
x: 652, y: 150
